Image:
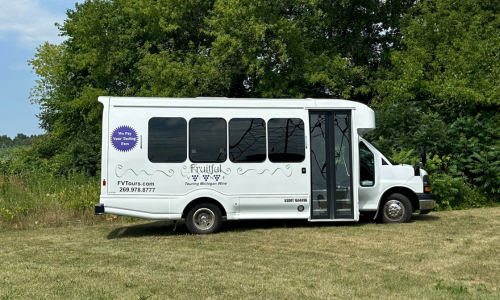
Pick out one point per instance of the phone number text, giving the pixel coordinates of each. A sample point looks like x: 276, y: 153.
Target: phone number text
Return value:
x: 136, y: 190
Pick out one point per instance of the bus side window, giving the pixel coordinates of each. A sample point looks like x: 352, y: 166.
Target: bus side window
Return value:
x: 247, y: 140
x: 167, y: 140
x: 207, y: 140
x: 286, y: 140
x: 366, y: 166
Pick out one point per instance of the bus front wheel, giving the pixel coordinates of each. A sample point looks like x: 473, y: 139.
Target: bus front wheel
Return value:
x: 396, y: 209
x: 204, y: 218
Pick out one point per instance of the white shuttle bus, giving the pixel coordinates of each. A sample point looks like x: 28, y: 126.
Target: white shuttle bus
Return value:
x: 209, y: 159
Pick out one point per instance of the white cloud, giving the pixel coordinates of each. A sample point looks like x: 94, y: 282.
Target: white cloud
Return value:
x: 28, y: 23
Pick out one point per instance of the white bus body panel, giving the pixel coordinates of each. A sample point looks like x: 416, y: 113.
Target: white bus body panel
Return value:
x: 386, y: 177
x: 245, y: 190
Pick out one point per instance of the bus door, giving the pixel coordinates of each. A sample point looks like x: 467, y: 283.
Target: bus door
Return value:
x: 331, y: 164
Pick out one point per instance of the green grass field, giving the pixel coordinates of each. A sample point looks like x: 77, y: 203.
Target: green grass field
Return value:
x: 443, y: 255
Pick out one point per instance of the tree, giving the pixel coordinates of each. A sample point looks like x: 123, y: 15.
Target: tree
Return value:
x: 443, y: 90
x: 188, y: 48
x: 450, y: 57
x: 5, y: 140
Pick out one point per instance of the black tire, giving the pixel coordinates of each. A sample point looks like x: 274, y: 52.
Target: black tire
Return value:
x: 396, y: 209
x: 204, y: 218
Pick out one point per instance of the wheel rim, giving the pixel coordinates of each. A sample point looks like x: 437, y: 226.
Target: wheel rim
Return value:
x: 204, y: 218
x: 394, y: 210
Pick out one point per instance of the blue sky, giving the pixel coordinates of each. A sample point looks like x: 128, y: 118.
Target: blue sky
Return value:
x: 24, y: 25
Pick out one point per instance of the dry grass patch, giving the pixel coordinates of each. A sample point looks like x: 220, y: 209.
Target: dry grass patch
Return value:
x: 444, y: 255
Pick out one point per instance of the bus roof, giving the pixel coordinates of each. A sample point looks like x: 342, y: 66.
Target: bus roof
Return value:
x: 365, y: 116
x: 235, y: 102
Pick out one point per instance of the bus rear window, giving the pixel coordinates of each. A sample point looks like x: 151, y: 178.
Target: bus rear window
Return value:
x: 167, y: 140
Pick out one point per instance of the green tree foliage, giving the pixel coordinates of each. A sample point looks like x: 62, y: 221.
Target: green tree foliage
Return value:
x: 450, y: 57
x: 19, y: 140
x: 276, y: 49
x: 188, y: 48
x: 5, y: 141
x: 442, y: 92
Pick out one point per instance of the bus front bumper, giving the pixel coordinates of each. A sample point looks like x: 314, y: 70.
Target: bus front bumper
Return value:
x: 427, y: 202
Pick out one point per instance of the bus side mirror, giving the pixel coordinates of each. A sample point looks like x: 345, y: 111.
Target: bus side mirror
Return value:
x: 423, y: 157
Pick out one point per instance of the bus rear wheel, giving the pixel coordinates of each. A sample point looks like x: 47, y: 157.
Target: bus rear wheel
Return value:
x: 204, y: 218
x: 396, y: 209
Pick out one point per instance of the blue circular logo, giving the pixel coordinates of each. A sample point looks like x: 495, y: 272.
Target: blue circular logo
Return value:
x: 124, y: 138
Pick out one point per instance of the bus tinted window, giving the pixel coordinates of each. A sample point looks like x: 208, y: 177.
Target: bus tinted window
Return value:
x: 286, y: 140
x: 207, y: 140
x: 247, y: 140
x: 366, y: 166
x: 167, y: 140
